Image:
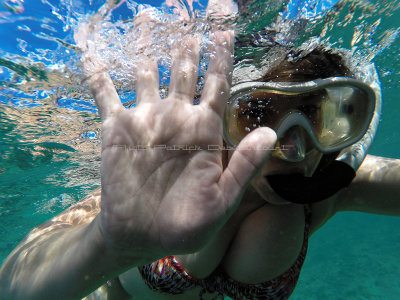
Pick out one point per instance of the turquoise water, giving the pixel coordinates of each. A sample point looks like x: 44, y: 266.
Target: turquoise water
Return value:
x: 49, y: 145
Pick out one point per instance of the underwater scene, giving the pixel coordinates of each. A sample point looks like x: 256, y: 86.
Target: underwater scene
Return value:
x: 50, y: 132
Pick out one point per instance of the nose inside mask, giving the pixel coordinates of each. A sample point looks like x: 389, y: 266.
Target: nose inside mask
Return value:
x: 293, y: 145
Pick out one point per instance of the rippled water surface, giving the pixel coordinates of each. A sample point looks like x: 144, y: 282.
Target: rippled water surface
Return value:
x: 49, y: 129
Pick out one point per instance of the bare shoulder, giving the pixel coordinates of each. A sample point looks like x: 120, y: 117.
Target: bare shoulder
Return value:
x: 377, y: 168
x: 82, y: 212
x: 375, y: 189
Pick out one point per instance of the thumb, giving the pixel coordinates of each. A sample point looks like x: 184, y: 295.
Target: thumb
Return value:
x: 248, y: 157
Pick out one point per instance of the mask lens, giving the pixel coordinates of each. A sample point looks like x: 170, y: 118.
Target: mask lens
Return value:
x: 346, y: 116
x: 335, y: 116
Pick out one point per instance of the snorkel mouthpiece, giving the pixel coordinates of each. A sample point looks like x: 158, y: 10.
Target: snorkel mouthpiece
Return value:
x: 324, y: 183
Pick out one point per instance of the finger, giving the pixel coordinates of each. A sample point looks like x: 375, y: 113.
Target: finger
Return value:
x: 247, y: 159
x: 147, y: 82
x: 221, y: 9
x: 184, y: 71
x: 219, y: 73
x: 105, y: 94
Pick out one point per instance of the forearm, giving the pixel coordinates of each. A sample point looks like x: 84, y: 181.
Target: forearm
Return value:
x: 65, y: 264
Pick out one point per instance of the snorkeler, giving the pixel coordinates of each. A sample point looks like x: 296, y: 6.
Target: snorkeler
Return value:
x: 183, y: 213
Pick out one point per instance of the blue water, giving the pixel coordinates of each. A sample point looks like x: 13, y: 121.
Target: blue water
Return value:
x: 49, y: 130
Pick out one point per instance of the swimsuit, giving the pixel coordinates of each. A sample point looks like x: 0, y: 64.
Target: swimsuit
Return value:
x: 168, y: 276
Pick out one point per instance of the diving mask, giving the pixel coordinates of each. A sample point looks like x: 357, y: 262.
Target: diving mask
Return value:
x: 331, y: 114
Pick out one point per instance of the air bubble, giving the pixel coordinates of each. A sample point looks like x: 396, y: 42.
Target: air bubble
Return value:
x: 23, y: 28
x: 15, y: 6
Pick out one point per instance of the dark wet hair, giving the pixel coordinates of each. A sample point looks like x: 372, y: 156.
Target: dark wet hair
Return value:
x: 319, y: 63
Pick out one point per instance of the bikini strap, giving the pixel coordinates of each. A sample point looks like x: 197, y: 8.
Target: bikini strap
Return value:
x: 307, y: 220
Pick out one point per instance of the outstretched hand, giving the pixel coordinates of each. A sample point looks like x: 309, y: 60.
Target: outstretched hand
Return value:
x: 164, y: 189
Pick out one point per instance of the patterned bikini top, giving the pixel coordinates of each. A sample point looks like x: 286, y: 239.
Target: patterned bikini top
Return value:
x: 168, y: 276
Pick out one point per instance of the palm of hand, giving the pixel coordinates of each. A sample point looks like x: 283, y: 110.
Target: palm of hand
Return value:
x: 149, y: 180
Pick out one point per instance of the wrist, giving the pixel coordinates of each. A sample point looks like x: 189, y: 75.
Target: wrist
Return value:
x: 120, y: 257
